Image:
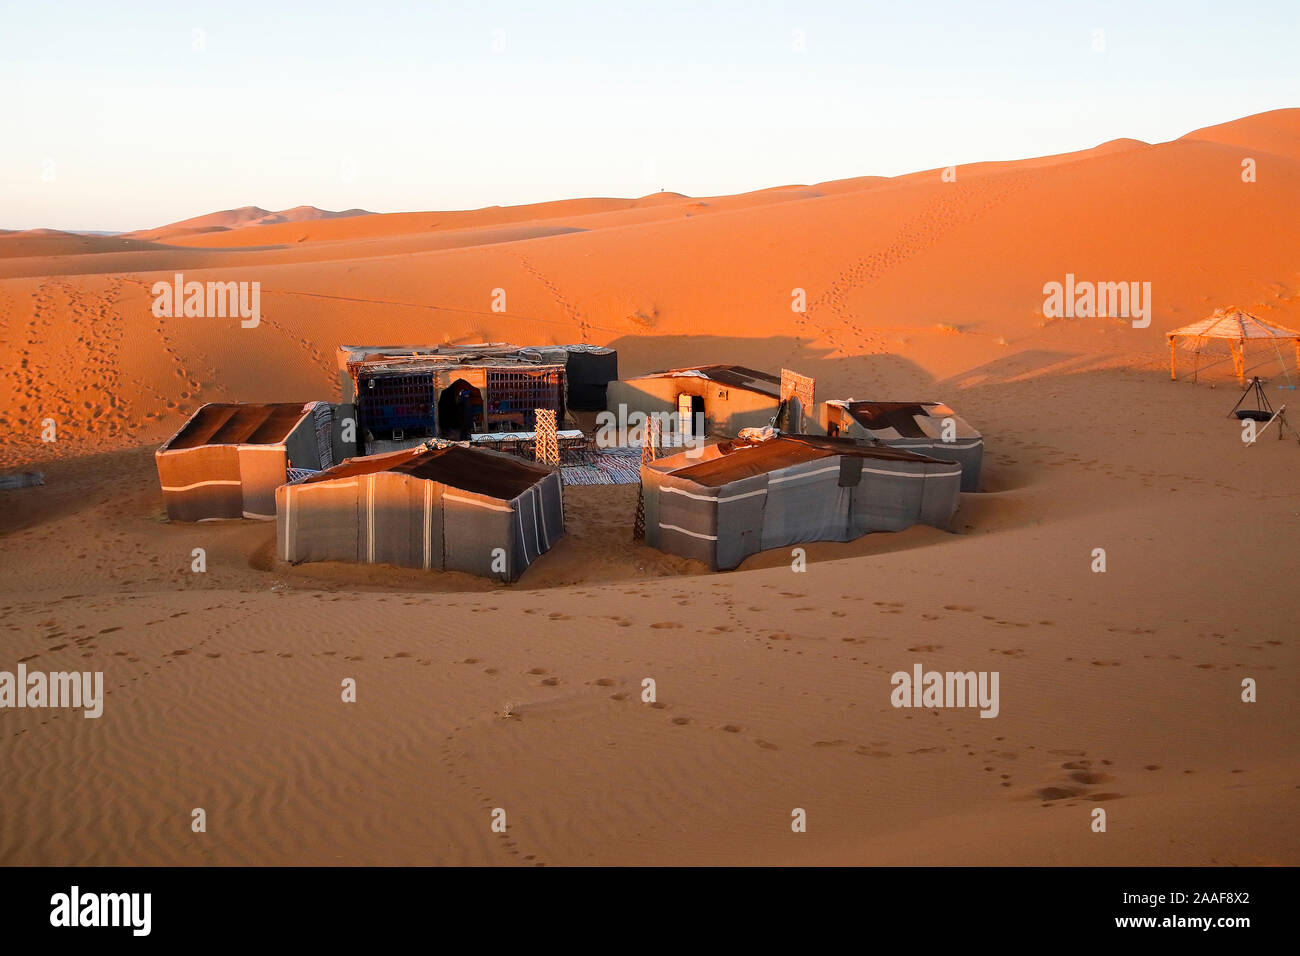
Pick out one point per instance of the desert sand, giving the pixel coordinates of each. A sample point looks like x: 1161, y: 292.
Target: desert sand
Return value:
x: 1119, y: 690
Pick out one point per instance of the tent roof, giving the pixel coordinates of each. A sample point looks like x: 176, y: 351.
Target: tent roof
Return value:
x: 733, y: 376
x: 901, y: 417
x: 475, y: 470
x: 379, y: 357
x: 1236, y: 325
x: 746, y: 459
x: 239, y: 424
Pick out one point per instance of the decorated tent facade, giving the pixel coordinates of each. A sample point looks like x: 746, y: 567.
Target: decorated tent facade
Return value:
x: 732, y: 499
x: 925, y: 428
x: 451, y: 508
x: 228, y: 459
x: 1234, y: 328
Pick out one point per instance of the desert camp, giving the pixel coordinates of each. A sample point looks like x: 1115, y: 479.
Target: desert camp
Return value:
x: 227, y: 460
x: 604, y: 218
x: 448, y: 508
x: 732, y: 499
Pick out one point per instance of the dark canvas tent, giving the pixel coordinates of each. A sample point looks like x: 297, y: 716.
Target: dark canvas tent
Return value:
x: 737, y: 498
x: 926, y: 428
x: 228, y: 459
x: 451, y: 508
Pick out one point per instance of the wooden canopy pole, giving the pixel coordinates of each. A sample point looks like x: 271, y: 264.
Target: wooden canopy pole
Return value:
x: 1173, y: 357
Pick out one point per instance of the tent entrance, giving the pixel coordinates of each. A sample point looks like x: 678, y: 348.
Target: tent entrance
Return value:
x: 838, y: 422
x: 690, y: 415
x: 460, y: 410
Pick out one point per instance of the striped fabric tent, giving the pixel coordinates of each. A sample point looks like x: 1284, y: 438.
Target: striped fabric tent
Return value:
x: 721, y: 503
x: 449, y: 508
x: 227, y: 460
x: 1233, y: 327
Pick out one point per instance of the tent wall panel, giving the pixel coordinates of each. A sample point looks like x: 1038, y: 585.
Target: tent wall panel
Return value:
x: 365, y: 525
x: 806, y: 503
x: 301, y: 447
x: 651, y: 482
x: 318, y: 522
x: 343, y: 448
x: 688, y: 519
x: 202, y: 482
x: 967, y: 452
x: 589, y: 373
x: 940, y: 497
x: 529, y: 540
x: 739, y: 517
x: 889, y: 499
x: 473, y: 526
x: 427, y: 507
x: 539, y: 518
x: 551, y: 499
x: 262, y: 469
x: 398, y: 526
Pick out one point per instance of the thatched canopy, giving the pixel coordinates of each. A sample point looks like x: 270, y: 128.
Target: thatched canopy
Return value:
x: 1234, y: 327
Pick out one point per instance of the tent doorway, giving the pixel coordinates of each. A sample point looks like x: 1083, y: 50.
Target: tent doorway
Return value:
x: 690, y: 415
x: 460, y: 410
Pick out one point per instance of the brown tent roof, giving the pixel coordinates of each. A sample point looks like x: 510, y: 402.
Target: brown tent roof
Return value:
x: 475, y: 470
x: 900, y: 416
x: 743, y: 459
x: 239, y: 424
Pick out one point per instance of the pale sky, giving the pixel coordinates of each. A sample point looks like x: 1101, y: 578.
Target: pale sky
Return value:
x: 121, y: 116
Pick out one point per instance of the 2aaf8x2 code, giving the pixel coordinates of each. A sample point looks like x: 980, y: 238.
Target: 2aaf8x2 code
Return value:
x: 1219, y: 897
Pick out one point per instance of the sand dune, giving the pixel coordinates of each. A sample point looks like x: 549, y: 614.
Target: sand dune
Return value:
x: 243, y: 217
x: 1120, y: 690
x: 1274, y: 132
